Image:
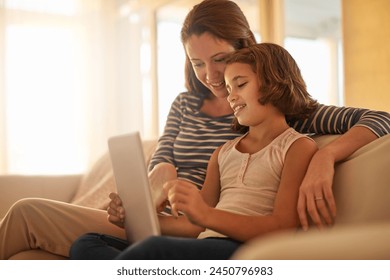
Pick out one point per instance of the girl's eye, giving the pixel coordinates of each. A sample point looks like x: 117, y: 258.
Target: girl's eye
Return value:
x: 242, y: 84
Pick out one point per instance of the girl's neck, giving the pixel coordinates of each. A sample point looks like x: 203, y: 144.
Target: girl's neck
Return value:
x: 261, y: 136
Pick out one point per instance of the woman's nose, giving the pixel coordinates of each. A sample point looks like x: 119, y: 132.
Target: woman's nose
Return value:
x: 213, y: 72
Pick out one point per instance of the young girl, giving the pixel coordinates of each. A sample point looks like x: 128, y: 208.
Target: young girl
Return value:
x: 252, y: 182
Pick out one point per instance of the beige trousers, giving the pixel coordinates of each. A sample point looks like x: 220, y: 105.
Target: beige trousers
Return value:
x: 49, y: 225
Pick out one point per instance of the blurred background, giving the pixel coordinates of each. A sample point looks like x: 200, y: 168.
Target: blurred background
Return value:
x: 75, y: 72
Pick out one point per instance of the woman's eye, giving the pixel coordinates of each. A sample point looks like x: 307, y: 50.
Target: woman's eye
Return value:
x: 218, y: 60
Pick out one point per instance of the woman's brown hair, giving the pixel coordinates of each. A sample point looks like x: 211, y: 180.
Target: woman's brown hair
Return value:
x: 280, y: 79
x: 224, y: 20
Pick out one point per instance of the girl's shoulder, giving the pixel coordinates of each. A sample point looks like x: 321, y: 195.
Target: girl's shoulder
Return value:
x: 230, y: 144
x: 289, y: 137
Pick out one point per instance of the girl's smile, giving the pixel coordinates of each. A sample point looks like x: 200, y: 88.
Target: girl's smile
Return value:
x: 237, y: 108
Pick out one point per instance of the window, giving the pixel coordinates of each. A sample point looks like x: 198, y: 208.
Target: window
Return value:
x: 43, y: 84
x: 171, y: 59
x: 313, y: 37
x: 43, y: 89
x: 68, y: 82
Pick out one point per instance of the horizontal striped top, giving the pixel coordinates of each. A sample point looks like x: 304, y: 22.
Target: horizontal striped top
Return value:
x: 190, y: 136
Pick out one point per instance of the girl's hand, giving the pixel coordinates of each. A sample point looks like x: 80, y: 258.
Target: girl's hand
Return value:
x: 316, y: 195
x: 185, y: 197
x: 115, y: 211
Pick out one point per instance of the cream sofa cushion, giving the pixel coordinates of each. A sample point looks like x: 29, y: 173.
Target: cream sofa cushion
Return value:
x: 96, y: 185
x: 362, y: 184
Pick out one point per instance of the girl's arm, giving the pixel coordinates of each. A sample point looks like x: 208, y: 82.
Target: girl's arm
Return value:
x: 242, y: 227
x: 185, y: 196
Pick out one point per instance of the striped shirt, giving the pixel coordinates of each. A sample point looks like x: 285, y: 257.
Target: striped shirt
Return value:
x: 190, y: 136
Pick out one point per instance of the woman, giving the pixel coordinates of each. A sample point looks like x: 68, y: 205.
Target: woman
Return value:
x: 199, y: 122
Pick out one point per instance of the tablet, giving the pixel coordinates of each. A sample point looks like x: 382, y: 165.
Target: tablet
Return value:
x: 131, y: 178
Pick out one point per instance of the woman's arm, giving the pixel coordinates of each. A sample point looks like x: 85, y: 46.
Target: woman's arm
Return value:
x: 339, y: 120
x: 359, y: 127
x: 316, y: 195
x: 164, y: 151
x: 160, y: 174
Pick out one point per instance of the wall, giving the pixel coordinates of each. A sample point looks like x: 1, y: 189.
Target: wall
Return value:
x: 366, y: 35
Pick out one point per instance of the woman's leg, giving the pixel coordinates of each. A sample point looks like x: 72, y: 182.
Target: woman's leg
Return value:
x: 95, y: 246
x: 36, y: 223
x: 173, y: 248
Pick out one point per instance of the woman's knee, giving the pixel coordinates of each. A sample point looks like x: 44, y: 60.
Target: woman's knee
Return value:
x: 26, y: 205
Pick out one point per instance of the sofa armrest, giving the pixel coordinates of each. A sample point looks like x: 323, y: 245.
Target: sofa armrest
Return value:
x: 348, y: 242
x: 15, y: 187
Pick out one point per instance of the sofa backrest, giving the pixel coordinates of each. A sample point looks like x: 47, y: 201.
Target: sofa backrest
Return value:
x: 362, y: 184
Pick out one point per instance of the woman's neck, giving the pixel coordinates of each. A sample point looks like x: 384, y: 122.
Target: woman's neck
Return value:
x: 216, y: 107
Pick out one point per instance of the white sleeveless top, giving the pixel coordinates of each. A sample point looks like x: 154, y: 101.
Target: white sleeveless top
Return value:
x: 249, y: 182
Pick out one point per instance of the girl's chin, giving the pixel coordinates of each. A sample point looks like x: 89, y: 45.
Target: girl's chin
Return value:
x: 241, y: 120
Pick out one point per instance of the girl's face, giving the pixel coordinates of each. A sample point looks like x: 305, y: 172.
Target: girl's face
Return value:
x: 243, y: 87
x: 207, y: 55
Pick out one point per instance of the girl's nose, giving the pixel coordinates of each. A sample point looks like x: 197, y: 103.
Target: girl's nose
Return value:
x: 231, y: 98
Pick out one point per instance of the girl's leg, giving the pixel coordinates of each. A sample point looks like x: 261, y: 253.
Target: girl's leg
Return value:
x: 36, y: 223
x: 94, y: 246
x: 172, y: 248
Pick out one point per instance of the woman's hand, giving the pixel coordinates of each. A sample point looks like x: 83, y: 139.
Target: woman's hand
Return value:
x: 315, y: 193
x: 185, y: 197
x: 161, y: 173
x: 115, y: 210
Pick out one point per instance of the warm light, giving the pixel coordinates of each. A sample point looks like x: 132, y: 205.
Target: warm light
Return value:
x: 43, y: 90
x: 63, y: 7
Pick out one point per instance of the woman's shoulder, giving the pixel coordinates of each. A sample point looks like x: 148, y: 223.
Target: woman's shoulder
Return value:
x: 189, y: 96
x: 188, y: 100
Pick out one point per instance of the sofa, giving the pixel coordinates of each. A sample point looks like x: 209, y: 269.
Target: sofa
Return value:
x: 361, y: 188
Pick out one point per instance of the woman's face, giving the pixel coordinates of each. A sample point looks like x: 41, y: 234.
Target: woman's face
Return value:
x: 207, y: 55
